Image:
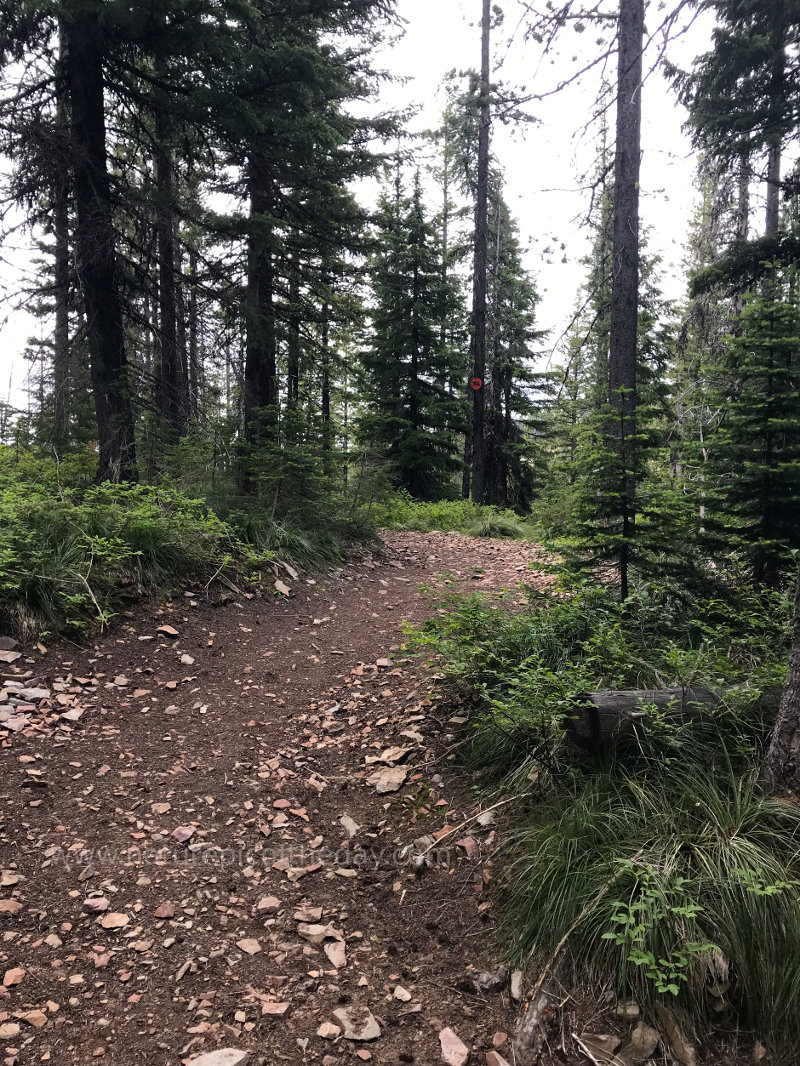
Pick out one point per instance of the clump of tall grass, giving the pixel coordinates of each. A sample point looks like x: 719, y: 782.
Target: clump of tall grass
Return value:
x: 497, y: 524
x: 327, y: 541
x: 679, y: 886
x: 659, y: 868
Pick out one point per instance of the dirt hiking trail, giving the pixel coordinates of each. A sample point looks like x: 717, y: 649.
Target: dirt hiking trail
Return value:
x: 204, y: 824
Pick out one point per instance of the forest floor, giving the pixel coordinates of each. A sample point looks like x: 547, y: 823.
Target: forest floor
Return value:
x: 197, y: 853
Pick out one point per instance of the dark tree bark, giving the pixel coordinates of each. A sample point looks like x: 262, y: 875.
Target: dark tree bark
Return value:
x: 625, y: 266
x: 293, y: 341
x: 195, y: 372
x: 260, y: 369
x: 150, y: 349
x: 742, y: 226
x: 466, y: 469
x: 325, y: 399
x: 95, y: 249
x: 169, y: 375
x: 61, y: 344
x: 743, y: 200
x: 777, y: 91
x: 495, y: 488
x: 181, y: 335
x: 478, y: 339
x: 783, y: 757
x: 773, y: 190
x: 413, y: 399
x: 444, y: 327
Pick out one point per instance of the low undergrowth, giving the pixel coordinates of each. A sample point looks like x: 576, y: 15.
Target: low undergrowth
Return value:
x: 659, y: 862
x: 68, y: 556
x: 400, y: 511
x: 71, y: 551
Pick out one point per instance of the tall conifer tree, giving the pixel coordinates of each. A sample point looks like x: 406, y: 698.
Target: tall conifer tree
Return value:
x: 413, y: 414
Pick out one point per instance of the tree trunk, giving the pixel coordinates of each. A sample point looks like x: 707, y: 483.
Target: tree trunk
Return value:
x: 444, y: 326
x: 293, y: 342
x: 495, y: 489
x: 416, y: 482
x: 181, y: 337
x: 479, y: 270
x: 466, y: 468
x: 777, y: 91
x: 742, y: 227
x: 195, y: 372
x: 783, y: 757
x: 169, y: 377
x: 61, y: 346
x: 743, y: 199
x: 773, y: 190
x: 95, y: 250
x: 325, y: 399
x: 625, y: 283
x: 260, y: 370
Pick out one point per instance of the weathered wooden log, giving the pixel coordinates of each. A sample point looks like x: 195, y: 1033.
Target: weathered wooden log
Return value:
x: 600, y: 719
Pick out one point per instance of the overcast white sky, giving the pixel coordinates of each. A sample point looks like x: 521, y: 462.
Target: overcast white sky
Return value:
x: 543, y: 164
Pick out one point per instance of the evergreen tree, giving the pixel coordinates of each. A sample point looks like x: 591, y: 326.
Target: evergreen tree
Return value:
x: 143, y: 116
x: 582, y: 491
x: 754, y: 454
x: 743, y: 95
x: 706, y: 320
x: 478, y: 319
x: 514, y: 392
x: 621, y: 426
x: 413, y: 415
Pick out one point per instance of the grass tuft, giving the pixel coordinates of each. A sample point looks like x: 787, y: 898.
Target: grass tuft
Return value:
x: 667, y: 883
x: 663, y: 866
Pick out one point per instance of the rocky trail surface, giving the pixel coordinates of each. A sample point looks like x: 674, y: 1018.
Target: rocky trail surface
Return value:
x: 211, y: 825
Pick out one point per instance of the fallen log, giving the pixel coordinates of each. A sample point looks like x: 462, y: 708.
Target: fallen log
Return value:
x: 599, y: 719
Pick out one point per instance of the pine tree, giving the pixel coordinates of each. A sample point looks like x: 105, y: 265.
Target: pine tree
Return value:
x: 413, y: 416
x: 743, y: 96
x: 582, y: 492
x: 621, y: 429
x: 168, y: 105
x: 754, y: 454
x: 514, y: 393
x: 478, y: 320
x: 707, y: 319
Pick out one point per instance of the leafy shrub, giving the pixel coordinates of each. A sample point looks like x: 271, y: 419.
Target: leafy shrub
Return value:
x: 294, y: 503
x: 69, y: 547
x: 517, y: 672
